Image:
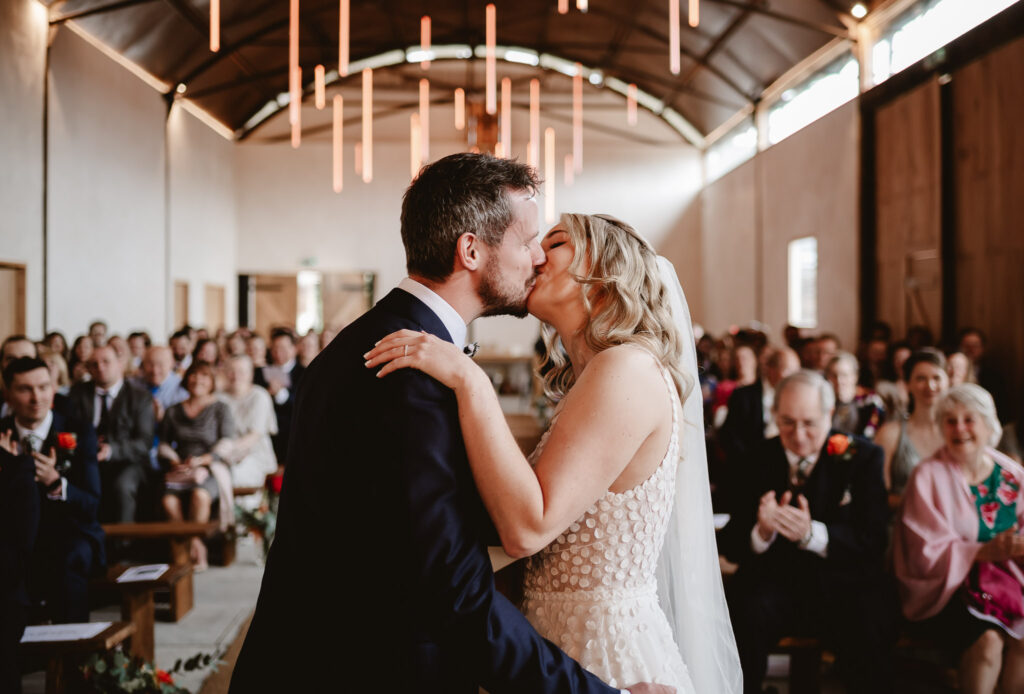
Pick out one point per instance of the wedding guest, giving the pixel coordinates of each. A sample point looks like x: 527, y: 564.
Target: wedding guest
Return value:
x: 309, y: 347
x: 809, y: 538
x: 69, y: 544
x: 194, y: 435
x: 873, y: 369
x: 826, y: 346
x: 121, y: 349
x: 80, y: 351
x: 98, y: 333
x: 58, y: 370
x: 974, y: 345
x: 158, y: 376
x: 892, y: 389
x: 750, y: 419
x: 256, y: 348
x: 282, y: 379
x: 959, y: 370
x: 859, y: 414
x: 235, y: 344
x: 916, y: 436
x: 138, y: 343
x: 13, y: 347
x: 742, y: 371
x: 181, y: 348
x: 121, y: 411
x: 956, y: 546
x: 206, y: 350
x: 252, y: 453
x: 56, y: 342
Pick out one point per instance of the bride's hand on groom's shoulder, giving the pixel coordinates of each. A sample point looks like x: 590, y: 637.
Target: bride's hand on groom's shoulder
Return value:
x: 433, y: 356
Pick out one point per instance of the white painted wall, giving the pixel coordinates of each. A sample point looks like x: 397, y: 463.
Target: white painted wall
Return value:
x: 106, y: 193
x: 287, y: 211
x: 22, y: 56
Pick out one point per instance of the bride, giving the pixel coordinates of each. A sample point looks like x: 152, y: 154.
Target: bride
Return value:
x: 613, y: 507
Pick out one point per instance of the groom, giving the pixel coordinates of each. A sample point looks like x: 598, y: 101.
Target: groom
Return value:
x: 379, y: 578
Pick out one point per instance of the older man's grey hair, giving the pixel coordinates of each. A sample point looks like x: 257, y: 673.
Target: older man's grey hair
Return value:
x: 811, y: 379
x: 974, y: 399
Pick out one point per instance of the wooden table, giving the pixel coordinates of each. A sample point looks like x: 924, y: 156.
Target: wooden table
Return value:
x: 137, y: 605
x: 61, y: 655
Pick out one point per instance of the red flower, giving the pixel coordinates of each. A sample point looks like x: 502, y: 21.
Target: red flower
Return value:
x: 163, y: 677
x: 988, y: 513
x: 67, y: 440
x: 274, y: 483
x: 1007, y: 494
x: 838, y: 443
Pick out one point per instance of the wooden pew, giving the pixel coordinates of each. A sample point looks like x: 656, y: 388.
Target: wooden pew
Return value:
x: 61, y: 656
x: 137, y: 604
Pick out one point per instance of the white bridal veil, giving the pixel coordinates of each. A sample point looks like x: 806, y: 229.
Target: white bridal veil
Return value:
x: 689, y: 578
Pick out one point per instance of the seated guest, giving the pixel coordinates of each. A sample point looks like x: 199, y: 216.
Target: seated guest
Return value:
x: 892, y: 389
x: 14, y: 347
x: 55, y: 342
x: 206, y: 351
x: 252, y: 453
x: 138, y: 343
x: 959, y: 370
x: 235, y: 344
x: 956, y: 538
x: 19, y: 522
x: 181, y: 349
x: 309, y: 347
x: 122, y: 413
x: 121, y: 349
x: 69, y: 541
x: 750, y: 420
x: 916, y: 436
x: 98, y: 333
x: 826, y: 347
x: 282, y: 379
x: 58, y: 370
x: 256, y: 348
x: 809, y: 538
x: 158, y: 376
x: 861, y: 415
x: 194, y: 435
x: 80, y: 351
x: 873, y: 370
x: 742, y: 372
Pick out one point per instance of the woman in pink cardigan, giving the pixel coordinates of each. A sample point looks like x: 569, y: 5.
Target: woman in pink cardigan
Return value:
x: 957, y: 554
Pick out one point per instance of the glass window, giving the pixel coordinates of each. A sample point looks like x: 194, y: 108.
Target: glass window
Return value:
x: 734, y: 148
x: 925, y: 28
x: 828, y: 89
x: 803, y: 282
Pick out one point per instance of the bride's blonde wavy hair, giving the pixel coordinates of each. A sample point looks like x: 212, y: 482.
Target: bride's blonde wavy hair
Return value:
x: 623, y: 295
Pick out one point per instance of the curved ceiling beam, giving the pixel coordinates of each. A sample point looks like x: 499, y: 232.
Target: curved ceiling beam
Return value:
x: 544, y: 61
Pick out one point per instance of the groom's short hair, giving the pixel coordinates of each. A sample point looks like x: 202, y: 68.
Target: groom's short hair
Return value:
x: 462, y: 193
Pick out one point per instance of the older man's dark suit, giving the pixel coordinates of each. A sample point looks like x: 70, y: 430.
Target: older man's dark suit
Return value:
x: 130, y: 434
x: 69, y: 543
x: 844, y: 597
x: 379, y: 578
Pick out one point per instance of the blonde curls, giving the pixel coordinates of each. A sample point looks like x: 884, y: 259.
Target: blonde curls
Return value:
x: 624, y: 297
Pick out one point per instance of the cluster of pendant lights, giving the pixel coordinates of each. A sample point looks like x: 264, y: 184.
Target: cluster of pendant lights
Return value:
x: 419, y: 122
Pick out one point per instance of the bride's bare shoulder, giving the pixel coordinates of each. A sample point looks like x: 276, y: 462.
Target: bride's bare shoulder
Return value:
x: 632, y: 363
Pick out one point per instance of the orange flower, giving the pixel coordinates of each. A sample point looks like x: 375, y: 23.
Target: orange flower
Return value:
x: 163, y: 677
x: 837, y: 444
x: 67, y: 440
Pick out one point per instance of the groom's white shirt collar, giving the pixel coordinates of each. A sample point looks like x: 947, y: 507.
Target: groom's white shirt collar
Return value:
x: 442, y: 309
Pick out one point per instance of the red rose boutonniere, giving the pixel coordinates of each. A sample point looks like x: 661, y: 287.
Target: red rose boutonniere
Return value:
x: 67, y: 441
x: 840, y: 446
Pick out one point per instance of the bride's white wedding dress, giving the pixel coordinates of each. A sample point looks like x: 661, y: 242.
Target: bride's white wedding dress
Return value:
x: 593, y: 591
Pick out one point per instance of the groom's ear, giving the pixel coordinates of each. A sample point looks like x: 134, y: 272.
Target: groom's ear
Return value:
x: 468, y: 252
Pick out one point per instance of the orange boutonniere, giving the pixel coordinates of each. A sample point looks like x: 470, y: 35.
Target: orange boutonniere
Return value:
x: 840, y: 446
x: 67, y: 441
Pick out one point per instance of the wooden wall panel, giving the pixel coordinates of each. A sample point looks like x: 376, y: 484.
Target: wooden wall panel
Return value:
x: 989, y: 143
x: 908, y: 195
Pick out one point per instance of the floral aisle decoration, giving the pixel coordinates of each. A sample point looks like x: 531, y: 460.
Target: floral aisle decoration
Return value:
x: 113, y: 672
x: 261, y: 522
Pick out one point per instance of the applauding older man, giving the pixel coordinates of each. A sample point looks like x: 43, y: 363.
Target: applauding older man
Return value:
x: 809, y: 535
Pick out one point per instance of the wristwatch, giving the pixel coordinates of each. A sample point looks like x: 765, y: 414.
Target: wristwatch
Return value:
x: 55, y: 485
x: 806, y: 539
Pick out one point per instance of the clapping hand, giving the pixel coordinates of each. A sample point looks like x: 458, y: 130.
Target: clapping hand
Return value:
x: 46, y: 467
x: 9, y: 443
x: 793, y: 522
x: 766, y: 513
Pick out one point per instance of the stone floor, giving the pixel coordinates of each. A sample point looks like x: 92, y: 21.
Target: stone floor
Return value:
x: 224, y: 599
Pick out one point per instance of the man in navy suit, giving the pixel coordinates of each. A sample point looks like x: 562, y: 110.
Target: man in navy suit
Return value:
x: 381, y: 538
x: 809, y: 535
x: 69, y: 541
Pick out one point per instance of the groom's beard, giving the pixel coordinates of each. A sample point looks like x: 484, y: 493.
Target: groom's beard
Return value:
x: 501, y: 298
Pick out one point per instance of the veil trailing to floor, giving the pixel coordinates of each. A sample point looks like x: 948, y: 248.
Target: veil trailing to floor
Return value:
x: 689, y: 578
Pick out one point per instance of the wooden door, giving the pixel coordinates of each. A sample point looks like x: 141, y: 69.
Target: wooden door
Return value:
x: 180, y: 304
x: 275, y: 302
x: 12, y: 310
x: 346, y: 296
x: 215, y: 308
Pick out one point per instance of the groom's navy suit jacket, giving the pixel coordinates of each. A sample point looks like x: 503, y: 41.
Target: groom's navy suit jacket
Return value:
x: 378, y: 578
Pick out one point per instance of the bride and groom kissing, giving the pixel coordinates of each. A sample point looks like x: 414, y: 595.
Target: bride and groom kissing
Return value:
x: 401, y: 471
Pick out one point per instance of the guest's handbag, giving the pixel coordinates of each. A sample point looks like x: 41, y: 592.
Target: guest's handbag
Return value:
x: 182, y: 477
x: 995, y: 592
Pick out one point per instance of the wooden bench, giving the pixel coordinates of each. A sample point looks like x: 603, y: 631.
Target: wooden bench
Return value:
x: 61, y: 656
x: 138, y: 605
